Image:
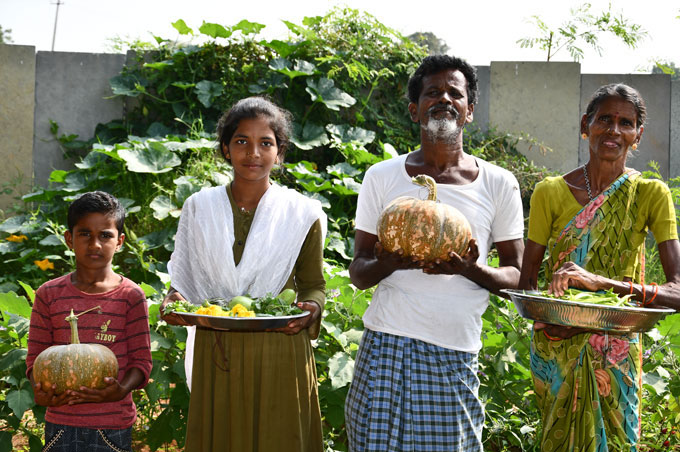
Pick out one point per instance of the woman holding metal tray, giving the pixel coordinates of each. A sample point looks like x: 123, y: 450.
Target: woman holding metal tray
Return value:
x: 593, y: 221
x: 254, y: 390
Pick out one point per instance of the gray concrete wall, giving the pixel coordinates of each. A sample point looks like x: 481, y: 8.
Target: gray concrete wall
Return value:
x: 675, y: 129
x: 71, y: 89
x: 17, y: 103
x: 542, y: 100
x: 656, y: 91
x: 481, y: 114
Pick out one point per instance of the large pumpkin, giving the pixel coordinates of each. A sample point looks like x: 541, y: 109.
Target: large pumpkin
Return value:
x: 71, y: 366
x: 426, y: 229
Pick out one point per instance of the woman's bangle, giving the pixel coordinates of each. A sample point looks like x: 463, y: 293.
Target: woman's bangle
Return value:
x: 551, y: 337
x: 656, y: 291
x: 631, y: 287
x: 644, y: 295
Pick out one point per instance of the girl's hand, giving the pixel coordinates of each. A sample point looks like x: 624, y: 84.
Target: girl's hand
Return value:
x: 113, y: 392
x: 47, y: 397
x: 299, y: 324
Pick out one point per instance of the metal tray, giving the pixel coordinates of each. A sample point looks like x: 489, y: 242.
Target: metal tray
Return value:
x: 238, y: 323
x: 620, y: 319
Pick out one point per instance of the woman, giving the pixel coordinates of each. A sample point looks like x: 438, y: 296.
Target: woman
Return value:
x: 251, y: 391
x: 593, y: 220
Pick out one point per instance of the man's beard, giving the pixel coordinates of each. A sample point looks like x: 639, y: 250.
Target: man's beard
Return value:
x: 443, y: 129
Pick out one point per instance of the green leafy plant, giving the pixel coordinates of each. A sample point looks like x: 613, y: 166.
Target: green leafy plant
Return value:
x: 583, y: 28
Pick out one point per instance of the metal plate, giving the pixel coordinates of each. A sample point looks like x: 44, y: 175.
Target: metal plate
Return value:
x: 622, y: 319
x: 238, y: 323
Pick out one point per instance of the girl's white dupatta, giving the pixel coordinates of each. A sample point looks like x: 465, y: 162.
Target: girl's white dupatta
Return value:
x: 202, y: 263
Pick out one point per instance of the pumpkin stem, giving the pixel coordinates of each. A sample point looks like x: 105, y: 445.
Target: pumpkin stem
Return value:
x: 72, y: 319
x: 427, y: 182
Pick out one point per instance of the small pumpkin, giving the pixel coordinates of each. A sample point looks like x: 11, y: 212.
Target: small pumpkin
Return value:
x: 426, y: 229
x: 71, y: 366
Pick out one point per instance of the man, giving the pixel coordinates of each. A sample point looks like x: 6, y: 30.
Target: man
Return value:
x: 415, y: 384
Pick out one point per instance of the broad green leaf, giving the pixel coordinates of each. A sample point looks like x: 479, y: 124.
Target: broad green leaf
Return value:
x: 157, y: 129
x: 52, y: 240
x: 346, y: 134
x: 310, y: 136
x: 153, y: 159
x: 12, y: 225
x: 354, y: 335
x: 127, y: 85
x: 246, y: 27
x: 182, y: 27
x: 299, y: 30
x: 11, y: 358
x: 148, y: 290
x: 669, y: 326
x: 159, y: 342
x: 656, y: 382
x: 157, y: 239
x: 9, y: 247
x: 187, y: 186
x: 342, y: 169
x: 207, y: 91
x: 338, y: 245
x: 12, y: 303
x: 6, y: 441
x: 323, y: 90
x: 214, y: 30
x: 281, y: 47
x: 19, y: 401
x: 301, y: 68
x: 58, y: 176
x: 340, y: 370
x: 29, y: 291
x: 159, y: 64
x: 163, y: 206
x: 91, y: 160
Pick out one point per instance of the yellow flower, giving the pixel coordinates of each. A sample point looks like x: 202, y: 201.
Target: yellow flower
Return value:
x: 16, y: 238
x: 44, y: 264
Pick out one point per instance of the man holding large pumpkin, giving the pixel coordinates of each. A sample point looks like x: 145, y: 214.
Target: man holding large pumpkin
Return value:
x: 415, y: 384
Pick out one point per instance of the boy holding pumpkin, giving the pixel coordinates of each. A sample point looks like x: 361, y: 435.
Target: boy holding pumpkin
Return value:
x: 87, y: 419
x: 415, y: 384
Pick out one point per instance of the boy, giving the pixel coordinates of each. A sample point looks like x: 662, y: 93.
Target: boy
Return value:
x: 93, y: 419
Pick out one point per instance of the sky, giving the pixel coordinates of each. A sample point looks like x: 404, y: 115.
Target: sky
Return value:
x: 481, y: 31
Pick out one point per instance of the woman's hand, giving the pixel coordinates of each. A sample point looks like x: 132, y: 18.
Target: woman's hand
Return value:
x: 571, y: 275
x: 455, y: 265
x: 559, y: 331
x: 113, y: 392
x: 301, y: 323
x: 172, y: 318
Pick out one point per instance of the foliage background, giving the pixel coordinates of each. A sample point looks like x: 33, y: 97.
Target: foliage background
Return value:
x: 343, y: 76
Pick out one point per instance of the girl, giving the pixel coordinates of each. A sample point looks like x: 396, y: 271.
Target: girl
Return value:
x: 251, y: 391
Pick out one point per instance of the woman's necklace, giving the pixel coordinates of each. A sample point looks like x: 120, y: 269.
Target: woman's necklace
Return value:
x: 585, y: 174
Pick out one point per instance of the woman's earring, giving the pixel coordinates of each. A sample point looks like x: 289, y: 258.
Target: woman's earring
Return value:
x: 634, y: 146
x: 584, y: 136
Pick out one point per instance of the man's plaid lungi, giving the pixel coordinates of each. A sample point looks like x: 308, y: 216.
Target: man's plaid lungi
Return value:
x: 410, y: 395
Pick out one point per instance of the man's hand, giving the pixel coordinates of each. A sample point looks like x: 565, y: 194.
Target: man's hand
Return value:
x: 113, y: 392
x: 299, y: 324
x: 396, y: 260
x: 171, y: 318
x: 47, y: 397
x: 455, y: 265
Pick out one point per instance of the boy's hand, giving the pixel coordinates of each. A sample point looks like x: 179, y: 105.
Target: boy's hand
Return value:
x: 48, y: 397
x: 113, y: 392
